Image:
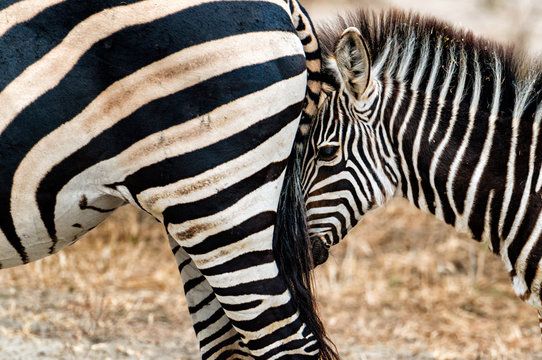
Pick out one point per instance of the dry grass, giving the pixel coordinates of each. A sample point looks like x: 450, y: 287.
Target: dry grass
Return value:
x: 405, y: 281
x: 402, y: 286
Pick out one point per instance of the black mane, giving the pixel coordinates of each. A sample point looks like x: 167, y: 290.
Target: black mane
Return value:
x: 378, y: 27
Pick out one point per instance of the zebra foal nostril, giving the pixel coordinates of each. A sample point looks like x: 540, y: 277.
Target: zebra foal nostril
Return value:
x: 320, y: 251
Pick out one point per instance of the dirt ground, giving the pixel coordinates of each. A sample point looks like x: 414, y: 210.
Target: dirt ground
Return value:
x: 401, y: 286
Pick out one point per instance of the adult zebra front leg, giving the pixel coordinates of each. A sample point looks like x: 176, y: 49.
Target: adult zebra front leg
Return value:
x: 216, y: 335
x: 238, y: 262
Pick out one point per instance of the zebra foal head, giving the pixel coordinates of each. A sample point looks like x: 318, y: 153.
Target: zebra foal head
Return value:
x: 348, y: 167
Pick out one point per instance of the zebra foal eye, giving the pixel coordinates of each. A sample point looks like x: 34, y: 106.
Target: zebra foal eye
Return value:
x: 328, y: 152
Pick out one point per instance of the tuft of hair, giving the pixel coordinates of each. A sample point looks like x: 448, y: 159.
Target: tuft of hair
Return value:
x: 292, y: 250
x: 379, y: 28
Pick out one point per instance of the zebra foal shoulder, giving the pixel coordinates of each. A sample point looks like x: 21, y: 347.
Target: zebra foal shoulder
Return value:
x: 413, y: 107
x: 159, y: 104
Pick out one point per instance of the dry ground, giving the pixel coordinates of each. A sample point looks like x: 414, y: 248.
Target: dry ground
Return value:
x: 402, y: 286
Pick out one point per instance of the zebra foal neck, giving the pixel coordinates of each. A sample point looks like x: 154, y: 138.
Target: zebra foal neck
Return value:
x: 446, y: 119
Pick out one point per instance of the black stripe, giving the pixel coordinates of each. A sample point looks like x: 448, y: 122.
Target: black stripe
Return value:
x: 248, y: 227
x: 226, y: 355
x: 192, y: 283
x: 313, y: 55
x: 7, y: 3
x: 241, y: 262
x: 306, y: 40
x: 533, y: 259
x: 300, y: 25
x: 217, y: 315
x: 225, y: 198
x: 183, y: 264
x: 266, y: 318
x: 194, y: 309
x: 258, y: 287
x: 27, y: 42
x: 217, y: 334
x: 242, y: 306
x: 521, y: 171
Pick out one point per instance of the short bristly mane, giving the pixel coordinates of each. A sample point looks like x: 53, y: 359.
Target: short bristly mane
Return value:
x: 381, y: 27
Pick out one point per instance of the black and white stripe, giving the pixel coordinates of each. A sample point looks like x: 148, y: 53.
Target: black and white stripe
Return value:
x: 447, y: 120
x: 186, y: 109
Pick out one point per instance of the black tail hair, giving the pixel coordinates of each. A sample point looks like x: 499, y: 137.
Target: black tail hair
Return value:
x: 293, y: 254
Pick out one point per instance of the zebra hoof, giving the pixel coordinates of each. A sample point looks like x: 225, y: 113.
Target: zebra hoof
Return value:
x: 320, y: 251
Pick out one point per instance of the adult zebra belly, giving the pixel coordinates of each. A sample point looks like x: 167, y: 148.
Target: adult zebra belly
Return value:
x: 156, y: 103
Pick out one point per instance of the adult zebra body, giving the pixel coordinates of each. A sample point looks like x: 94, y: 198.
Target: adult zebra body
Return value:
x: 186, y: 109
x: 413, y: 107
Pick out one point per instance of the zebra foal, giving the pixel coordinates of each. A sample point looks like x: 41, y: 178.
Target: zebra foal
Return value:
x: 413, y: 107
x: 188, y: 110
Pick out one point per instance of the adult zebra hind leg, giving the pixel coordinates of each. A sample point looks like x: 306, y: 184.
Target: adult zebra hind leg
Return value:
x: 216, y: 335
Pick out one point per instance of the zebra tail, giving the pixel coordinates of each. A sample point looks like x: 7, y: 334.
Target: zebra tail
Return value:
x: 293, y: 254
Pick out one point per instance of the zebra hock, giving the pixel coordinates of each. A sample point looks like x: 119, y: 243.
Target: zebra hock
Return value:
x: 158, y: 104
x: 413, y: 107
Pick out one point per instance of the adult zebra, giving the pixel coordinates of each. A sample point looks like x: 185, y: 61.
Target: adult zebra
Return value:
x: 186, y: 109
x: 413, y: 107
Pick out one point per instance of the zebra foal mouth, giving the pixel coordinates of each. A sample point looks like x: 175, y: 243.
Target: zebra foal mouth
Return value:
x: 320, y: 251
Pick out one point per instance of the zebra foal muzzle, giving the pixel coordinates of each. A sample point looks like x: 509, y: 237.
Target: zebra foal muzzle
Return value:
x: 320, y: 250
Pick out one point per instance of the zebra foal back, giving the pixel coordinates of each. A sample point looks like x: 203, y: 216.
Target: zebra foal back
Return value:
x: 158, y: 103
x: 413, y: 107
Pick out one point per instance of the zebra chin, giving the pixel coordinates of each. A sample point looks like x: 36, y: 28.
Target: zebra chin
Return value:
x: 320, y: 249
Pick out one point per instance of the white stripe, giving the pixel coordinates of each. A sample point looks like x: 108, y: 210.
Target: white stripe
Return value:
x: 486, y: 234
x: 518, y: 219
x: 404, y: 67
x: 222, y: 254
x: 267, y: 303
x: 382, y: 59
x: 450, y: 128
x: 164, y: 77
x: 443, y: 93
x: 420, y: 70
x: 22, y: 11
x: 522, y: 94
x: 244, y: 276
x: 521, y: 262
x: 280, y: 343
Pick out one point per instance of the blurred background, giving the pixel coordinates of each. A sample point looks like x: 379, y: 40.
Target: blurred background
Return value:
x: 402, y: 285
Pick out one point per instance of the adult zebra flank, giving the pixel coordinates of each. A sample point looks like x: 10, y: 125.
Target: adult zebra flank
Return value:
x: 413, y: 107
x: 187, y: 110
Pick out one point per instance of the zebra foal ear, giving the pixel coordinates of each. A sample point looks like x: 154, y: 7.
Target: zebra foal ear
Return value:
x: 353, y: 62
